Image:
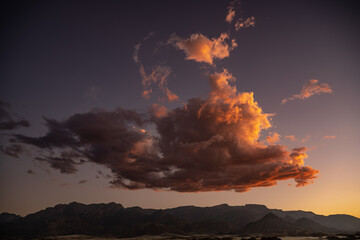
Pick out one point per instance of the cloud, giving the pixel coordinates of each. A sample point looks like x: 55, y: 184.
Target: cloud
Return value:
x: 291, y: 138
x: 231, y: 14
x: 99, y: 136
x: 138, y: 46
x: 241, y: 23
x: 208, y: 144
x: 274, y: 138
x: 14, y: 150
x: 214, y: 144
x: 157, y: 76
x: 310, y: 88
x: 82, y: 181
x: 202, y: 49
x: 329, y: 137
x: 64, y: 165
x: 136, y: 52
x: 211, y: 145
x: 7, y: 121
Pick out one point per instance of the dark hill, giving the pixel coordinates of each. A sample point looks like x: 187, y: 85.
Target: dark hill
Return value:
x: 312, y: 226
x: 342, y: 222
x: 8, y: 217
x: 114, y: 220
x: 270, y: 224
x: 235, y: 216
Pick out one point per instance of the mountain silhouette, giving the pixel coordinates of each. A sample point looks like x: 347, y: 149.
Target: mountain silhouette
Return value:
x: 8, y: 217
x: 271, y: 224
x: 313, y: 226
x: 113, y: 219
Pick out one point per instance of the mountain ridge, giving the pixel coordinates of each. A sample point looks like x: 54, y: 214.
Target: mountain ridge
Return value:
x: 116, y: 220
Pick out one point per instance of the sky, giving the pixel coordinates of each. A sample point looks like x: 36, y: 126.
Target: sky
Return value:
x: 161, y: 104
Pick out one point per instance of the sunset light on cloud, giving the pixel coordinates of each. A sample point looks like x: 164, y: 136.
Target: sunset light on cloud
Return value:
x: 310, y: 88
x: 202, y: 49
x: 182, y: 107
x: 219, y: 133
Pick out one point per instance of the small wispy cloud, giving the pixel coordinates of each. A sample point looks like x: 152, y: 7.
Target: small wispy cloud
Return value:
x: 244, y: 23
x: 10, y: 121
x: 231, y: 14
x: 157, y: 76
x: 310, y: 88
x: 138, y: 46
x: 13, y: 150
x: 240, y: 22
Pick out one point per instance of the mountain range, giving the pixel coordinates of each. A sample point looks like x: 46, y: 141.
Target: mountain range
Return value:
x: 113, y: 219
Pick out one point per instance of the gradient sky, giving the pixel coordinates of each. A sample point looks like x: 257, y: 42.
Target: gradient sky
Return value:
x: 60, y: 58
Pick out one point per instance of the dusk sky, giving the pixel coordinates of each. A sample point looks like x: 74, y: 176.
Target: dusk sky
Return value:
x: 161, y: 104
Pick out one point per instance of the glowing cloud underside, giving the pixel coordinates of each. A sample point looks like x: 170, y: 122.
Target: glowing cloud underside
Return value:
x: 209, y: 145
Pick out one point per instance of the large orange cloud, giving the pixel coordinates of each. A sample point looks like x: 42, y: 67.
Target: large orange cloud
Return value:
x: 210, y: 145
x: 202, y: 49
x: 310, y: 88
